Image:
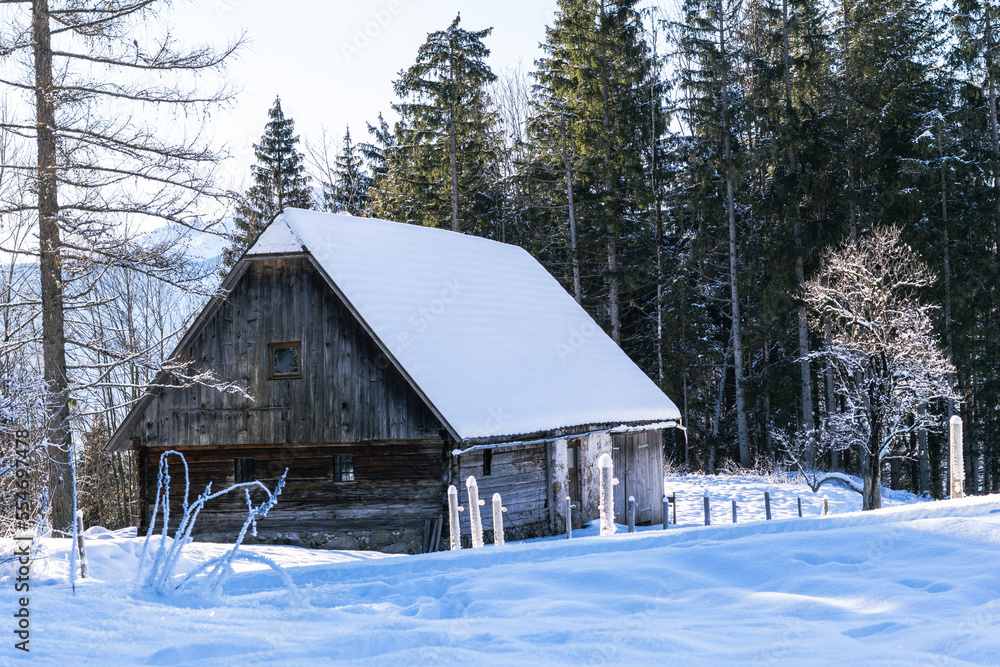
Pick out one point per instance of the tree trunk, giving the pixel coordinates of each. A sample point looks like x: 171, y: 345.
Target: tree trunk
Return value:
x: 923, y: 458
x: 716, y: 423
x: 658, y: 236
x: 568, y: 166
x: 616, y: 324
x: 872, y: 499
x: 808, y: 424
x: 57, y: 432
x: 741, y: 415
x: 945, y: 246
x: 851, y: 205
x: 453, y: 150
x: 616, y: 333
x: 991, y: 81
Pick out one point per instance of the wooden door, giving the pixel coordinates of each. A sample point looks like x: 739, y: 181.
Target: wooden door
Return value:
x: 638, y: 465
x: 574, y: 478
x: 620, y: 445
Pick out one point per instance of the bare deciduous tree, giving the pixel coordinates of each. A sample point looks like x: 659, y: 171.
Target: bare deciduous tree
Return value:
x: 886, y: 359
x: 115, y: 107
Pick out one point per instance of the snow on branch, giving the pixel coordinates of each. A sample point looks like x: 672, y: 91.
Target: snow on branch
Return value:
x: 890, y: 374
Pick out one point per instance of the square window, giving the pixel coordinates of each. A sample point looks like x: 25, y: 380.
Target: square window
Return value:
x: 283, y: 360
x: 244, y: 470
x: 343, y: 468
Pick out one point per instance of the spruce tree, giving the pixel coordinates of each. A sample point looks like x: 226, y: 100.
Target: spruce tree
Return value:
x: 716, y: 114
x: 279, y: 182
x: 597, y: 103
x: 349, y: 191
x: 444, y: 160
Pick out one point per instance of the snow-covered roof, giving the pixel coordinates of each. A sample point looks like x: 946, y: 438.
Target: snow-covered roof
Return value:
x: 486, y: 334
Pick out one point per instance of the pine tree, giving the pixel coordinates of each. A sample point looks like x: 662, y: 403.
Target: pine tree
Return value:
x: 348, y: 191
x: 709, y: 42
x: 352, y: 182
x: 443, y: 160
x: 382, y: 188
x: 597, y: 113
x: 279, y: 182
x: 788, y: 91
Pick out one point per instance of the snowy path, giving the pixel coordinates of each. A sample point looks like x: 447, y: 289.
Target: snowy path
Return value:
x: 916, y: 584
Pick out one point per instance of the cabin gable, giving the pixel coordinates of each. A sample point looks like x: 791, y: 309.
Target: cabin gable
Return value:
x: 346, y: 390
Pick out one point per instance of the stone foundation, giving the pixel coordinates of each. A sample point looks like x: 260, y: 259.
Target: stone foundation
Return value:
x: 389, y: 541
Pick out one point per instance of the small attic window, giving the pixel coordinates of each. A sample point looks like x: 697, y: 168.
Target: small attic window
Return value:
x: 284, y: 360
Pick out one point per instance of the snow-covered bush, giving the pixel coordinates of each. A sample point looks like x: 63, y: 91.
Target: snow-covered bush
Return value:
x: 23, y: 461
x: 156, y: 569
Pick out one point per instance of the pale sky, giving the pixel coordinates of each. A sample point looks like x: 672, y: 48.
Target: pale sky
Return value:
x: 333, y: 63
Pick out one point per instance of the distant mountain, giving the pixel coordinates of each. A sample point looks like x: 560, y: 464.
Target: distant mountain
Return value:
x: 199, y: 246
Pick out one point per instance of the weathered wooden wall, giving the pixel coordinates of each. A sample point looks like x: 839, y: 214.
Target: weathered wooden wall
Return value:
x: 518, y: 475
x: 348, y: 392
x: 638, y: 466
x: 397, y: 486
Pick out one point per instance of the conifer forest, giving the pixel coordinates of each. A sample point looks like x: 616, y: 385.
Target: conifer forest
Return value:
x: 683, y: 170
x: 786, y: 212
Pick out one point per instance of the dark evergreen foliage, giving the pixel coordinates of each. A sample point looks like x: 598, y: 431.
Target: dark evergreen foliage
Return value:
x: 829, y: 121
x: 279, y: 181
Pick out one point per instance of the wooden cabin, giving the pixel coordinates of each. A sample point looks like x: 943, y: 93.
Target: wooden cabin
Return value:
x: 384, y: 362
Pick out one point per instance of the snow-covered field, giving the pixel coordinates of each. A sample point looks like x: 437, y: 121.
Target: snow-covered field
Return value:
x: 918, y: 583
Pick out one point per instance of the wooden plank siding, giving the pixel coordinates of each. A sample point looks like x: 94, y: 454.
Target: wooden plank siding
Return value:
x: 637, y: 458
x: 517, y: 474
x: 397, y: 485
x: 348, y: 392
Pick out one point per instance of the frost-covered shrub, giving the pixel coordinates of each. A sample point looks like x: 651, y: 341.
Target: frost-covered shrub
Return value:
x: 156, y: 569
x: 763, y: 468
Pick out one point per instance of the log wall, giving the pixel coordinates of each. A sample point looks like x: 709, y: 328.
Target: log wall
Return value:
x: 397, y: 486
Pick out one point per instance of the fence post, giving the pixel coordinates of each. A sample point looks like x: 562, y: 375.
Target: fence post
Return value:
x: 455, y: 531
x: 569, y: 517
x: 631, y: 514
x: 673, y: 500
x: 826, y: 505
x: 956, y: 468
x: 607, y: 503
x: 800, y: 507
x: 708, y: 510
x: 734, y: 511
x: 497, y: 520
x: 81, y: 547
x: 666, y: 512
x: 767, y: 504
x: 475, y: 519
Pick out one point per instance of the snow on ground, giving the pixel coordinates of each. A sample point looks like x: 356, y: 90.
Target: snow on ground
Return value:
x: 918, y: 583
x: 748, y: 492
